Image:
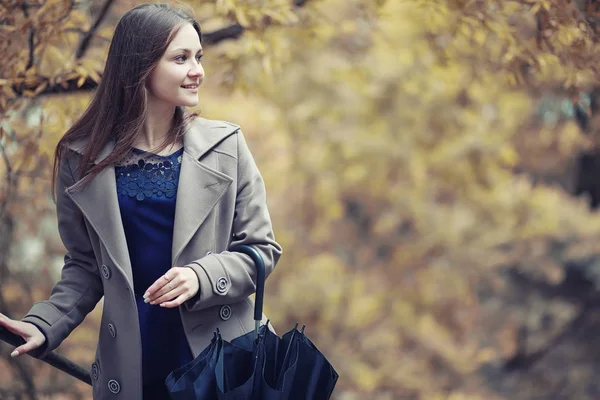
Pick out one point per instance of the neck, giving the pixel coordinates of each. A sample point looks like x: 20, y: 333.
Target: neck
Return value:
x: 157, y: 125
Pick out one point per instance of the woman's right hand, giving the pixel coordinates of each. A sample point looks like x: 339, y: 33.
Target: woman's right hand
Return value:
x: 33, y: 337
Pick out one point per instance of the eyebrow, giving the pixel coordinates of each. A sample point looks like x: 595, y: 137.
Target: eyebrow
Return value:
x: 186, y: 50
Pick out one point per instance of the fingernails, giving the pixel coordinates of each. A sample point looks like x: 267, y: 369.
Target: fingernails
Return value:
x: 146, y: 300
x: 14, y: 353
x: 146, y: 295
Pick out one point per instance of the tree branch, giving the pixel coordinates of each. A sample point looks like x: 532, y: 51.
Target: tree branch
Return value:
x: 87, y: 38
x: 211, y: 38
x: 30, y: 39
x: 9, y: 180
x: 521, y: 360
x: 230, y: 32
x: 576, y: 287
x: 233, y: 31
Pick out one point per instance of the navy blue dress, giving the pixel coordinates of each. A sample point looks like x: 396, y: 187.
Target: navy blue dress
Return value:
x: 147, y: 191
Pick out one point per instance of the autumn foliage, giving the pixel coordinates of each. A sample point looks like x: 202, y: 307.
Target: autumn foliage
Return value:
x: 431, y: 170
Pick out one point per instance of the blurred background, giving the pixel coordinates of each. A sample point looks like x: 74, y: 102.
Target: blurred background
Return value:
x: 432, y: 169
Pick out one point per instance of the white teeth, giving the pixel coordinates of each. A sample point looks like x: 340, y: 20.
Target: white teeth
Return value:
x: 190, y: 86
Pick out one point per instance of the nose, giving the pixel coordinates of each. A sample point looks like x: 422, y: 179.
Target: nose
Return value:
x: 196, y: 71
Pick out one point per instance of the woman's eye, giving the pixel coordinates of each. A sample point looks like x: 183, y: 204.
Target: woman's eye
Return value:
x: 183, y: 58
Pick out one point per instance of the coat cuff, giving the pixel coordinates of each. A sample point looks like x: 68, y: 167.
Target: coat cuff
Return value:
x: 213, y: 279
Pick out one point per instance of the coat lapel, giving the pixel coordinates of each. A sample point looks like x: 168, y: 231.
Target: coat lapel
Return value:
x: 200, y: 188
x: 200, y: 185
x: 99, y: 204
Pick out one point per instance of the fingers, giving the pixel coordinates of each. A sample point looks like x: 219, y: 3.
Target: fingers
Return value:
x: 176, y: 302
x: 169, y: 295
x: 30, y: 333
x: 31, y: 344
x: 13, y: 326
x: 160, y: 282
x: 166, y: 288
x: 175, y: 283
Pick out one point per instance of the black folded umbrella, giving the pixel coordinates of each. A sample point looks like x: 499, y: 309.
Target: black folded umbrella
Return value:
x: 256, y: 366
x: 318, y: 378
x: 196, y: 380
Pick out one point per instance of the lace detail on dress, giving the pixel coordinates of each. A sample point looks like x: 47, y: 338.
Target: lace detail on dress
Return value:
x: 143, y: 175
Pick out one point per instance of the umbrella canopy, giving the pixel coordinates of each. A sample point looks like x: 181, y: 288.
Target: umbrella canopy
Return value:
x: 316, y: 377
x: 256, y: 366
x: 196, y: 379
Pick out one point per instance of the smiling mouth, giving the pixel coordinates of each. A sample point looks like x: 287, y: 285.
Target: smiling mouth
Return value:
x: 190, y: 86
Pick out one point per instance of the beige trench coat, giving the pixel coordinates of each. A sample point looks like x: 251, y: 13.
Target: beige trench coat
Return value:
x: 220, y: 203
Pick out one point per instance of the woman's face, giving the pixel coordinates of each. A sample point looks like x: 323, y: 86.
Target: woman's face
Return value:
x: 175, y: 79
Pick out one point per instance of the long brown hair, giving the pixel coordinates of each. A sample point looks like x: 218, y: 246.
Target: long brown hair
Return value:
x: 119, y: 106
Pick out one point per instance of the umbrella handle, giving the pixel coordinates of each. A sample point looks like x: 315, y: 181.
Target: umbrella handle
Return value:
x: 53, y: 359
x: 260, y: 279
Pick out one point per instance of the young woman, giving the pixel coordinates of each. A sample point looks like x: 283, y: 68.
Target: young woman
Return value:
x: 149, y: 199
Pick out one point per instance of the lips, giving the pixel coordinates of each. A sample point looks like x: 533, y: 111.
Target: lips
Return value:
x: 193, y: 86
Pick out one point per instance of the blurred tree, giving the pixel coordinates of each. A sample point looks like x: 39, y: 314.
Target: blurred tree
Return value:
x: 422, y: 159
x: 433, y: 214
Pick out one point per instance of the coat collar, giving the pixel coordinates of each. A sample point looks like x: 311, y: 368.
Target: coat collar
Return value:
x: 200, y: 188
x: 200, y: 136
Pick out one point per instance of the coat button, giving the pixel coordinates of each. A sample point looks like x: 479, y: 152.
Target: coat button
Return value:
x: 114, y: 386
x: 225, y: 313
x: 222, y: 285
x: 105, y: 272
x: 95, y: 371
x: 112, y: 330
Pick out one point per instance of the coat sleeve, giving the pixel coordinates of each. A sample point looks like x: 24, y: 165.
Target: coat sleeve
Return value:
x: 229, y: 277
x: 80, y: 287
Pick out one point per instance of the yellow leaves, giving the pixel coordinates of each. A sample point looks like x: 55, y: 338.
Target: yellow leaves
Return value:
x: 567, y: 35
x: 55, y: 60
x: 365, y: 305
x: 242, y: 17
x: 7, y: 90
x: 79, y: 18
x: 252, y: 14
x: 437, y: 336
x: 8, y: 28
x: 511, y: 7
x: 58, y: 115
x: 462, y: 396
x: 364, y: 375
x: 539, y: 5
x: 480, y: 36
x: 224, y: 6
x: 50, y: 7
x: 257, y: 45
x: 106, y: 32
x: 326, y: 294
x: 11, y: 291
x: 569, y: 138
x: 282, y: 16
x: 508, y: 156
x: 355, y: 173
